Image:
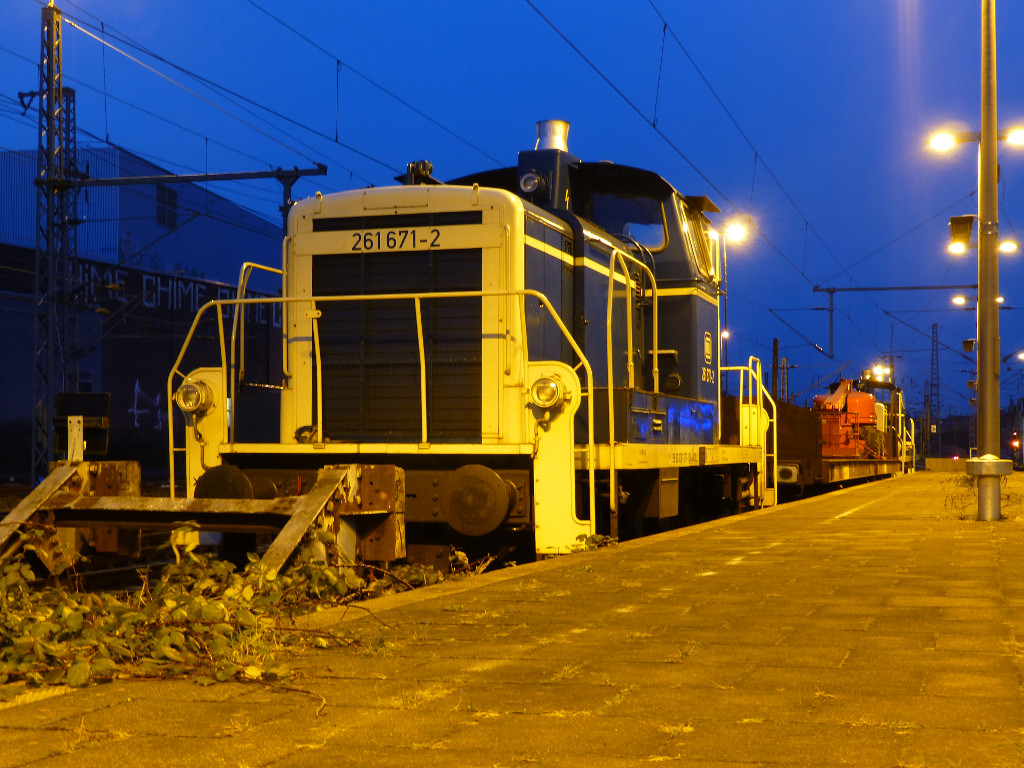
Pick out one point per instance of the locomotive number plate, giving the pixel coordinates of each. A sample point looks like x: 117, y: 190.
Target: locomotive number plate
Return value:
x: 394, y: 240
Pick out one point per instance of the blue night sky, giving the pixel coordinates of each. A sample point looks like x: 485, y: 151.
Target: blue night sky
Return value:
x: 807, y: 116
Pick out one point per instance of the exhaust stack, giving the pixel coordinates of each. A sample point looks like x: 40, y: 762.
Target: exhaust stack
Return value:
x: 553, y: 134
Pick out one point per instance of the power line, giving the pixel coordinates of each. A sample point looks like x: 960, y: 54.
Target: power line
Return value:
x: 234, y: 95
x: 372, y: 82
x: 183, y: 87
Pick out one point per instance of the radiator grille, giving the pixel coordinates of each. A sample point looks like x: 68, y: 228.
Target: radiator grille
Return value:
x: 370, y: 352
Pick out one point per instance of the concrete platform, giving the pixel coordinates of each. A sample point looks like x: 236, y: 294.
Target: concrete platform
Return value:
x: 878, y: 626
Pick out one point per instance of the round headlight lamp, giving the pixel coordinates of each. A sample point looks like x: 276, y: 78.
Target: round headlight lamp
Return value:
x: 531, y: 182
x: 547, y: 392
x: 193, y: 397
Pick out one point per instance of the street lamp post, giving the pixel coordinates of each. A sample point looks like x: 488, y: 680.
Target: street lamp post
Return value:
x: 988, y: 467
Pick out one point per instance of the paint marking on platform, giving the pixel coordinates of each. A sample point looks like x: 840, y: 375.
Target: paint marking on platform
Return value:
x: 847, y: 512
x: 735, y: 560
x: 32, y: 695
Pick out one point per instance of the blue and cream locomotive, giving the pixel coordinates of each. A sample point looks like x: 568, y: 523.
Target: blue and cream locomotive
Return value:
x: 535, y: 349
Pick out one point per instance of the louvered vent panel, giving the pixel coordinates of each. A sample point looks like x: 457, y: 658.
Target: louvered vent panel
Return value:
x: 370, y: 352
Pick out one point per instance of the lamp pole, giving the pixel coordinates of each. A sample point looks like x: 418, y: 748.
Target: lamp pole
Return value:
x: 988, y: 467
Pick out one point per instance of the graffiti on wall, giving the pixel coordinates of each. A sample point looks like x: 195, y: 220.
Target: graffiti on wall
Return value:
x: 111, y: 287
x: 148, y: 412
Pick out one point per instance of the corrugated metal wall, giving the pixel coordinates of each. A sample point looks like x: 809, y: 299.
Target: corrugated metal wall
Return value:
x: 97, y: 207
x: 18, y: 198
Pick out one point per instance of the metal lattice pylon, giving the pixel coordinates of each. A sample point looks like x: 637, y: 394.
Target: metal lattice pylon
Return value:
x: 55, y: 214
x: 935, y: 403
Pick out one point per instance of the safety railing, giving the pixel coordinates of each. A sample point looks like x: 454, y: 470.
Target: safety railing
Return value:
x: 237, y: 374
x: 756, y: 422
x: 313, y: 314
x: 619, y: 259
x: 909, y: 438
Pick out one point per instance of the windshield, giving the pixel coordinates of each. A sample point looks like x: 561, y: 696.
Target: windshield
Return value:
x: 695, y: 232
x: 635, y: 216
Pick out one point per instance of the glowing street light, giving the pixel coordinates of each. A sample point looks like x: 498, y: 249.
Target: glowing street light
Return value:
x: 736, y: 231
x: 961, y: 301
x: 961, y: 231
x: 880, y: 372
x: 944, y: 141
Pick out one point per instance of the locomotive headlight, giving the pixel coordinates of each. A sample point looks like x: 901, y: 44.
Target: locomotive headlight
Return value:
x: 531, y: 182
x: 193, y: 397
x: 547, y: 393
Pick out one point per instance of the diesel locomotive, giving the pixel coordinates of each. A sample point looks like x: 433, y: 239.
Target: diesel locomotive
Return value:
x: 535, y: 350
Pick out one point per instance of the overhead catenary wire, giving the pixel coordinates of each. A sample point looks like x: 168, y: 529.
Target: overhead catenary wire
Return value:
x: 374, y: 83
x: 228, y: 93
x: 183, y: 87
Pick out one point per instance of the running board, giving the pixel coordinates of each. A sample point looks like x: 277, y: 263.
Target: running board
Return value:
x: 361, y: 505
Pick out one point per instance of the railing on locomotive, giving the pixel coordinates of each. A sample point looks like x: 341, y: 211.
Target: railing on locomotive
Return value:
x: 239, y: 306
x: 616, y: 260
x: 749, y: 376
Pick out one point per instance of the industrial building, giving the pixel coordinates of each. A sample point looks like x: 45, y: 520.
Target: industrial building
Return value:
x: 146, y: 257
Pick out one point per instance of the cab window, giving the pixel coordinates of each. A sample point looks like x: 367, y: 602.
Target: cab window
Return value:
x: 695, y: 234
x: 638, y: 217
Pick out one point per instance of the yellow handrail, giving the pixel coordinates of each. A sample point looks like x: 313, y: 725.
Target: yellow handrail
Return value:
x: 618, y: 259
x: 751, y: 379
x: 220, y: 304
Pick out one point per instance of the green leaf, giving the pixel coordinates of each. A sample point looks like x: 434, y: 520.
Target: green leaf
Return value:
x: 74, y: 621
x: 104, y: 668
x: 211, y: 612
x: 79, y: 674
x: 169, y: 652
x: 252, y: 672
x: 276, y: 672
x: 226, y: 672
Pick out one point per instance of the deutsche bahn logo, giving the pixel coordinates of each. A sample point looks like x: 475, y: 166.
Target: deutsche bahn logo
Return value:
x: 709, y: 348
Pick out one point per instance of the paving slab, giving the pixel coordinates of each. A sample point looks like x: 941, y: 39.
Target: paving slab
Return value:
x: 877, y: 626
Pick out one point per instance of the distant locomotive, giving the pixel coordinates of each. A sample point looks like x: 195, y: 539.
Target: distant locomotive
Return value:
x: 848, y: 434
x: 534, y: 350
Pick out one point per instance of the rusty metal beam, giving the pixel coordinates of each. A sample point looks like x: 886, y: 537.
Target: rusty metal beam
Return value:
x: 85, y: 495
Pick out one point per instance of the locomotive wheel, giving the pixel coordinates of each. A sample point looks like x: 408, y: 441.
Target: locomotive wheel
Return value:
x: 475, y: 500
x: 223, y: 482
x: 229, y: 482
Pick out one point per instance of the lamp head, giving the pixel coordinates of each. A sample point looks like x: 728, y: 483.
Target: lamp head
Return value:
x: 960, y: 230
